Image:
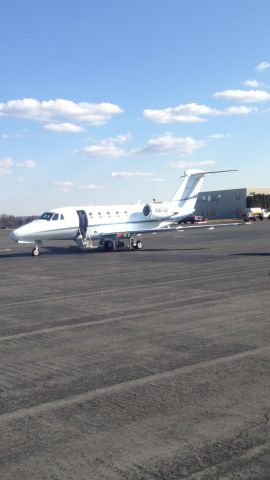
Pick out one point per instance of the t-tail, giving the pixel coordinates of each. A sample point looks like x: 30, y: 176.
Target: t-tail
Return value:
x: 187, y: 194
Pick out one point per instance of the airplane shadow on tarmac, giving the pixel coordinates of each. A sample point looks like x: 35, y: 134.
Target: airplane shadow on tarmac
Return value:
x: 44, y: 251
x: 252, y: 254
x: 73, y: 250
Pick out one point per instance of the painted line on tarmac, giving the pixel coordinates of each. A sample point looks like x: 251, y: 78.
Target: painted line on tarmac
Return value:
x: 118, y: 290
x: 5, y: 250
x: 84, y: 397
x: 126, y: 317
x: 172, y: 304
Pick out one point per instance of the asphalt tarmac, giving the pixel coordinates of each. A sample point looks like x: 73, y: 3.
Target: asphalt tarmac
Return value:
x: 145, y: 365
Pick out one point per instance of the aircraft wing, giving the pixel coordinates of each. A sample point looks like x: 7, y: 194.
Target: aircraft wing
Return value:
x: 173, y: 228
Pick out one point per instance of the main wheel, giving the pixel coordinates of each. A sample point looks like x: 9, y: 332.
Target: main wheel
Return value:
x: 110, y: 245
x: 35, y: 252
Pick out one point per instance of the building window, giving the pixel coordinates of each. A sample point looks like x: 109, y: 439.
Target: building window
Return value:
x: 238, y: 196
x: 209, y: 198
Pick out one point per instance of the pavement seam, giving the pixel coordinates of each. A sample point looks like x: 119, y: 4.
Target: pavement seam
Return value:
x: 132, y: 287
x: 140, y: 382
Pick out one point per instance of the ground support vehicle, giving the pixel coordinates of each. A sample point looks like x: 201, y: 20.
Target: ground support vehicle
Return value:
x: 193, y: 219
x: 121, y: 241
x: 255, y: 213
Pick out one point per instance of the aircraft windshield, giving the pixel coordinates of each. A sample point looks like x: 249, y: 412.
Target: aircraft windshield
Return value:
x: 46, y: 216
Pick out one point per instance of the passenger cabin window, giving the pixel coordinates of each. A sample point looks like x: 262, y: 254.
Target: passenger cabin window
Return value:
x: 56, y: 216
x: 46, y: 216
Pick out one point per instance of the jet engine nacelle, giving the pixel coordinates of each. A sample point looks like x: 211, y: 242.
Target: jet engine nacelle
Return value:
x: 158, y: 211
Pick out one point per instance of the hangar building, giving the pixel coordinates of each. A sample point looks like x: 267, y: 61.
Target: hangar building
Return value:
x: 230, y: 203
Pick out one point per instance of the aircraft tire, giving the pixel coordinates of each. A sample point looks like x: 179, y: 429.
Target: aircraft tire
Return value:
x: 110, y: 245
x: 139, y: 245
x: 35, y: 252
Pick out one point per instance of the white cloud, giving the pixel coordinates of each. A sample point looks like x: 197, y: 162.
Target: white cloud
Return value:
x: 262, y: 66
x: 249, y: 96
x: 243, y: 110
x: 26, y: 164
x: 63, y: 185
x: 169, y: 143
x: 11, y: 136
x: 64, y: 127
x: 191, y: 113
x: 6, y: 166
x: 68, y: 185
x: 220, y: 135
x: 131, y: 174
x: 251, y: 83
x: 52, y: 111
x: 92, y: 187
x: 9, y: 166
x: 109, y: 147
x: 191, y: 164
x: 158, y: 179
x: 164, y: 144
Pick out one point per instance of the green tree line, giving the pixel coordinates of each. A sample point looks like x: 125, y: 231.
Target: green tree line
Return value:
x: 259, y: 200
x: 11, y: 221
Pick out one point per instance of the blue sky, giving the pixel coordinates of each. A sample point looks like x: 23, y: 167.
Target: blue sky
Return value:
x: 109, y: 101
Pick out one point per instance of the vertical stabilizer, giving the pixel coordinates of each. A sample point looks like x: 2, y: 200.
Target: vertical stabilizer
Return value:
x: 187, y: 194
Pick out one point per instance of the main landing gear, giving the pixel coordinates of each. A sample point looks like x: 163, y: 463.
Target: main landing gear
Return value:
x: 138, y: 245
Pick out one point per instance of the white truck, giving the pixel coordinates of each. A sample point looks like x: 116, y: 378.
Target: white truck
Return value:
x: 255, y: 213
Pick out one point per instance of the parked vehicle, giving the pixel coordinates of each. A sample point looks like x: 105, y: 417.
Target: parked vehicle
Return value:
x: 194, y: 219
x: 255, y: 213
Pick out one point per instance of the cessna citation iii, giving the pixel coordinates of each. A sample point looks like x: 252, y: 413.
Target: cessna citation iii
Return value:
x: 113, y: 224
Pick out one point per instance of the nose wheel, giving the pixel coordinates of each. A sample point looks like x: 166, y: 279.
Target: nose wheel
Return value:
x: 35, y: 252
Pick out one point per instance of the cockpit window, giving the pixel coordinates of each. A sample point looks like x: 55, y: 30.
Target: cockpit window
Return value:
x: 46, y: 216
x: 55, y: 217
x: 62, y: 217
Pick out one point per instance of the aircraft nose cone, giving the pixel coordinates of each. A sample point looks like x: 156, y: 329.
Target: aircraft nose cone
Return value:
x: 13, y: 235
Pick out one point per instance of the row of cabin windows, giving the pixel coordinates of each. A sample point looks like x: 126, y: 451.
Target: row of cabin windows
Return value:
x: 91, y: 215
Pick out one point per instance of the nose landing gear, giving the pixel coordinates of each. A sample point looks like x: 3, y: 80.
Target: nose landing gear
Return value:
x: 35, y: 252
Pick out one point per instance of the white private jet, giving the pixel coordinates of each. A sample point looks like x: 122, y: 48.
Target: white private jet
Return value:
x: 112, y: 224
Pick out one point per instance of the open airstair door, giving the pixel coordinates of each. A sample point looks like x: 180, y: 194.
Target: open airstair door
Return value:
x: 83, y: 222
